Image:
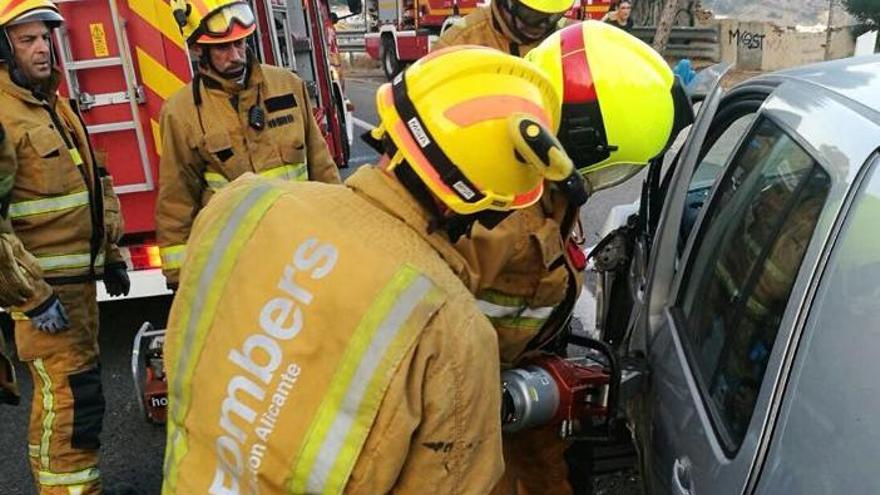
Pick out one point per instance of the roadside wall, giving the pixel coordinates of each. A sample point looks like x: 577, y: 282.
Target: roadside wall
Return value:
x: 763, y: 46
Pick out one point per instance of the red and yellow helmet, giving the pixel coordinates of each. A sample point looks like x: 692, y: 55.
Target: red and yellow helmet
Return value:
x: 213, y: 21
x: 618, y: 105
x: 459, y: 118
x: 14, y: 12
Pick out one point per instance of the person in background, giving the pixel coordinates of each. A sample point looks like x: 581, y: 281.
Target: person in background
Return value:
x: 236, y: 116
x: 621, y: 16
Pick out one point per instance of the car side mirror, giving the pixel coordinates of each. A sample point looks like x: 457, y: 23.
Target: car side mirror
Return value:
x: 355, y: 6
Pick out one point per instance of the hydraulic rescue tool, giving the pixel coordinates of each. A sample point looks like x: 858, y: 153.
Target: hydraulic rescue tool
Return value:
x: 579, y: 394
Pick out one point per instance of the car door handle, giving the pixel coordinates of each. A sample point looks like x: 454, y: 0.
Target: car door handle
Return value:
x: 681, y: 477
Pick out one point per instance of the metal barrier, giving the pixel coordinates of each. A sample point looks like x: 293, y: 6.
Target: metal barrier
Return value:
x: 351, y: 41
x: 686, y: 42
x: 690, y: 42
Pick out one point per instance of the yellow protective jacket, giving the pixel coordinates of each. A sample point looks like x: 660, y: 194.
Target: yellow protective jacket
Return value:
x: 522, y: 264
x: 61, y: 217
x: 484, y: 27
x: 322, y: 342
x: 207, y: 145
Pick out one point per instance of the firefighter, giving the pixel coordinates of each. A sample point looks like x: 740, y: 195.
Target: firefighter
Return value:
x: 617, y: 113
x: 512, y: 26
x: 59, y: 225
x: 530, y: 267
x: 619, y: 109
x: 236, y: 116
x: 325, y: 339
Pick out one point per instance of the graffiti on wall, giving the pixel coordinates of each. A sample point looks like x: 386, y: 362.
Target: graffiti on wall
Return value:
x: 746, y: 39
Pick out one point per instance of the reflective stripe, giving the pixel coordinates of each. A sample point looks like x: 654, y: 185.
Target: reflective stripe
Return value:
x: 65, y: 261
x: 48, y: 412
x: 341, y: 425
x: 77, y: 158
x: 48, y: 205
x: 76, y: 490
x: 297, y: 172
x: 33, y: 450
x: 498, y: 311
x: 76, y: 478
x: 211, y: 263
x: 294, y: 172
x: 215, y: 181
x: 173, y: 256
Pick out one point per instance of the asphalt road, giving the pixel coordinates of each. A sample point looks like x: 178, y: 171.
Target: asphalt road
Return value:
x: 132, y: 449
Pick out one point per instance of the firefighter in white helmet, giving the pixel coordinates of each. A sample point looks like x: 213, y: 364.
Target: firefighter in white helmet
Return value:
x: 325, y: 339
x: 236, y: 116
x: 59, y: 223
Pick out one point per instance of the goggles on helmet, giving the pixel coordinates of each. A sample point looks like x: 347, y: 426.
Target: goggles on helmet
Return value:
x: 222, y: 22
x: 531, y: 17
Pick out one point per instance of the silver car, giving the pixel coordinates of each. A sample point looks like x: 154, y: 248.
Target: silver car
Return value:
x: 751, y: 287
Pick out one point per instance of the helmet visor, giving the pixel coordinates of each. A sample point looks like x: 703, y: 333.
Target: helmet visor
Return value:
x: 222, y: 22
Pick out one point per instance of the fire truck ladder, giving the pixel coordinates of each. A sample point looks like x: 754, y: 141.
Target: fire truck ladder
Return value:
x: 133, y: 94
x: 298, y: 24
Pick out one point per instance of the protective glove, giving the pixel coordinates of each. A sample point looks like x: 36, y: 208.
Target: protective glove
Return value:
x: 50, y: 316
x: 116, y: 280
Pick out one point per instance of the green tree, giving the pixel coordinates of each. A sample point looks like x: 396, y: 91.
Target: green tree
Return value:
x: 868, y: 14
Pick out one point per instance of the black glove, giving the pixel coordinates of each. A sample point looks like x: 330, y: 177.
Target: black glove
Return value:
x: 50, y: 316
x: 116, y: 280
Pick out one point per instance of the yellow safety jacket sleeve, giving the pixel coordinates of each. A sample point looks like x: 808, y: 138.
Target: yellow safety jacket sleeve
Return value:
x: 180, y: 191
x: 524, y: 273
x: 22, y: 287
x: 444, y: 408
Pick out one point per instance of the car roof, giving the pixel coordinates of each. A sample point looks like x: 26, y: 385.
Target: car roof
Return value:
x: 855, y: 78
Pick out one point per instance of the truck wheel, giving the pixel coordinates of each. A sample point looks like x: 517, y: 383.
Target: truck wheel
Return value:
x: 390, y: 64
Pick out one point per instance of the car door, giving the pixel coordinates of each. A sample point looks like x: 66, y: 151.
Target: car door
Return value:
x: 828, y: 434
x: 723, y: 303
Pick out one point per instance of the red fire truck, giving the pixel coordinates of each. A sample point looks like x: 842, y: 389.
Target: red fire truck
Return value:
x: 403, y: 30
x: 589, y: 9
x: 122, y: 59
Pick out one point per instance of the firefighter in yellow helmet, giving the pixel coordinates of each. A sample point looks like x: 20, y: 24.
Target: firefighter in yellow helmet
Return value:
x: 59, y: 224
x: 621, y: 103
x: 617, y: 113
x: 236, y: 116
x: 325, y: 339
x: 512, y: 26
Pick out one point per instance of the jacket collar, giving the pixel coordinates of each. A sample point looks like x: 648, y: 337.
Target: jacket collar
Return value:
x: 25, y: 94
x: 387, y: 193
x: 213, y: 80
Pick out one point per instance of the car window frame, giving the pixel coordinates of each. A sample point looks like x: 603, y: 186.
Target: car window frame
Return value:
x: 688, y: 255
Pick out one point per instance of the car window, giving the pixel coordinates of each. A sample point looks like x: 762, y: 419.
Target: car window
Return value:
x: 742, y: 269
x: 829, y: 431
x: 707, y: 170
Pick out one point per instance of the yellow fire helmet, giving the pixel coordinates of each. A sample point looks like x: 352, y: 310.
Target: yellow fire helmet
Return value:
x: 547, y: 6
x: 213, y: 21
x: 618, y: 99
x: 476, y: 125
x: 14, y: 12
